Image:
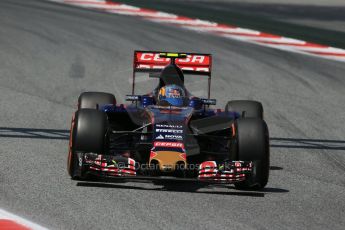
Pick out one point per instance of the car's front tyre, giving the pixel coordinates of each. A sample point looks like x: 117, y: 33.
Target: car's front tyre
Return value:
x: 91, y: 100
x: 252, y: 144
x: 88, y: 135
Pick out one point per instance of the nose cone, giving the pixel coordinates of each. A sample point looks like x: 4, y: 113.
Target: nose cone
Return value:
x: 168, y: 160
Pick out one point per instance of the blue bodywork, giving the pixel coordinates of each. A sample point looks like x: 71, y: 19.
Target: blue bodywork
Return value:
x: 142, y: 102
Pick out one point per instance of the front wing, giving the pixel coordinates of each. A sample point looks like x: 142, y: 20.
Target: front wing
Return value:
x: 117, y: 168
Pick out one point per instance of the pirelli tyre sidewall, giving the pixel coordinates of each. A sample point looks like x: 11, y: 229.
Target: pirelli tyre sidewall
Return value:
x: 252, y: 144
x: 88, y: 135
x: 90, y: 100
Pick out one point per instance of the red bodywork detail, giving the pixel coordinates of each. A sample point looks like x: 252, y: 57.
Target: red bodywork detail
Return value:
x: 209, y: 170
x: 152, y: 154
x: 184, y: 156
x: 198, y: 63
x: 233, y: 129
x: 194, y: 63
x: 100, y: 165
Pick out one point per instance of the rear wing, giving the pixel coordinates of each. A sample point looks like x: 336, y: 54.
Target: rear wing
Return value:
x: 190, y: 63
x: 155, y: 61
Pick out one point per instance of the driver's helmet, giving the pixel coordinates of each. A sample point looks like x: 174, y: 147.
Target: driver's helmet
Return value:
x: 173, y: 95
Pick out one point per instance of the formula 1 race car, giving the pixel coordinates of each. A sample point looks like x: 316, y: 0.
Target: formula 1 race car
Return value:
x: 168, y: 133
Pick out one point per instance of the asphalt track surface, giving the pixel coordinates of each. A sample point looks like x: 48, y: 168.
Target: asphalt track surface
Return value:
x: 323, y: 14
x: 286, y: 2
x: 313, y: 23
x: 50, y: 53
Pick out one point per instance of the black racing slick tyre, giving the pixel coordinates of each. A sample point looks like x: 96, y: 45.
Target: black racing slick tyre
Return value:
x: 88, y: 135
x: 251, y: 109
x: 252, y: 144
x: 91, y: 100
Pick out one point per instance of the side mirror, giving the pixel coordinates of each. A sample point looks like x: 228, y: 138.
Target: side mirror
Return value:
x: 209, y: 101
x: 133, y: 98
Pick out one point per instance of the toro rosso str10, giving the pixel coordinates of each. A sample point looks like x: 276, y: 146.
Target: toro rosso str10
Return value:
x: 169, y: 134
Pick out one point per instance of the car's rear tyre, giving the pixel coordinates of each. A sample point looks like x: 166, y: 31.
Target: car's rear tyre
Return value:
x: 252, y: 144
x: 251, y: 109
x: 91, y: 100
x: 88, y: 135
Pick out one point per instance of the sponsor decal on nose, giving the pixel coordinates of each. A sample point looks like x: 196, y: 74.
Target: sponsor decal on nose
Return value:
x: 160, y: 137
x: 169, y: 131
x: 169, y: 144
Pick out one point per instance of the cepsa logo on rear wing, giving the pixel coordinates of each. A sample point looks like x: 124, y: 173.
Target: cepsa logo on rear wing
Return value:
x: 190, y: 63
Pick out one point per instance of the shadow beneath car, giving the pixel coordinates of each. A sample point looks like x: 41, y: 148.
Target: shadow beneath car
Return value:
x: 276, y: 142
x: 273, y: 168
x: 186, y: 188
x: 274, y: 190
x: 32, y: 133
x: 303, y: 143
